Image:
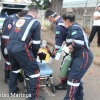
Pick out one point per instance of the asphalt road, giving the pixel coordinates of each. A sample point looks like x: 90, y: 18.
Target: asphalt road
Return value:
x: 91, y: 82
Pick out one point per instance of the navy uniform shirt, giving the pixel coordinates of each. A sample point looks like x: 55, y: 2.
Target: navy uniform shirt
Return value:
x: 24, y: 30
x: 77, y: 38
x: 61, y: 33
x: 7, y: 26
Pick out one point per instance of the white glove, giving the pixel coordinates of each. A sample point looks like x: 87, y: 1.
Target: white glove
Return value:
x: 5, y: 51
x: 65, y: 49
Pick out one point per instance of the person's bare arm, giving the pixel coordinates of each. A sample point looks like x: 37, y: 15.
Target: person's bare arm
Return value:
x: 96, y: 17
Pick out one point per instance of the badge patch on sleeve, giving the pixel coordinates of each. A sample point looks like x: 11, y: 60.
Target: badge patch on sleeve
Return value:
x: 73, y: 33
x: 57, y: 32
x: 9, y: 26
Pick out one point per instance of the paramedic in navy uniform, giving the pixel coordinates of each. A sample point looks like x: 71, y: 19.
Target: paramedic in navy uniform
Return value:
x: 60, y: 37
x: 7, y: 26
x: 82, y: 57
x: 25, y: 32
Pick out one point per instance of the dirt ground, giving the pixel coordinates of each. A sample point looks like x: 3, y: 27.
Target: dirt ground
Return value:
x: 49, y: 36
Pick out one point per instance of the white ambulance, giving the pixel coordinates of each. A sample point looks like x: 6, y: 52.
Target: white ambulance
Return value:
x: 9, y: 7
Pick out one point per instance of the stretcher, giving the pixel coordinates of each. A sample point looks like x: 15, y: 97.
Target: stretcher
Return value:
x: 45, y: 74
x: 46, y: 71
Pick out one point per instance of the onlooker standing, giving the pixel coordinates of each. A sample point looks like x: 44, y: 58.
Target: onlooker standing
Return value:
x: 96, y: 26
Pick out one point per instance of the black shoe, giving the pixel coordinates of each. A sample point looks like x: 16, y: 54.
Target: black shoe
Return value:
x: 61, y: 87
x: 6, y: 81
x: 39, y: 98
x: 17, y: 90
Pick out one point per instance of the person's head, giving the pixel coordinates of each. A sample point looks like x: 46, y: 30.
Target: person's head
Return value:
x: 68, y: 18
x: 33, y: 11
x: 51, y: 15
x: 23, y: 13
x: 98, y: 8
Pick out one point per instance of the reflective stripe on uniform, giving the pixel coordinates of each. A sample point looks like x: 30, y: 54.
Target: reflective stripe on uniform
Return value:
x: 25, y: 17
x: 36, y: 41
x: 62, y: 24
x: 35, y: 75
x: 73, y: 84
x: 8, y: 63
x: 17, y: 71
x: 13, y: 22
x: 11, y: 16
x: 69, y: 40
x: 76, y: 41
x: 5, y: 37
x: 79, y: 42
x: 27, y: 29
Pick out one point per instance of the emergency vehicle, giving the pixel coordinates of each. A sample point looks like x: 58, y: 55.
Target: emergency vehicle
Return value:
x: 9, y: 7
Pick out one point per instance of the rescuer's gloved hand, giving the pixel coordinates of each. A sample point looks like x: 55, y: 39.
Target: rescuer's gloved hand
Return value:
x: 5, y: 51
x: 54, y: 53
x: 65, y: 49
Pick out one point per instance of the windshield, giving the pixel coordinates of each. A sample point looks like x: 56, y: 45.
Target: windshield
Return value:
x: 5, y: 12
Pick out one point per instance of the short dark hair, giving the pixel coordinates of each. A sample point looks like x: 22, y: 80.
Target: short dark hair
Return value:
x: 22, y: 13
x: 51, y: 13
x: 33, y: 9
x: 69, y: 15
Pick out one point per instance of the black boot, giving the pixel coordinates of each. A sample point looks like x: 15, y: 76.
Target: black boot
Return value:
x: 17, y: 90
x: 6, y: 80
x: 61, y: 86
